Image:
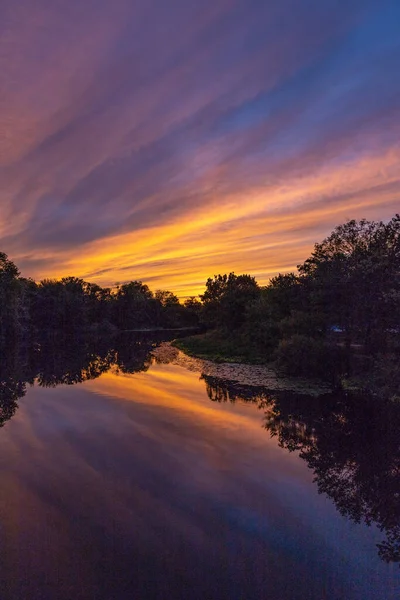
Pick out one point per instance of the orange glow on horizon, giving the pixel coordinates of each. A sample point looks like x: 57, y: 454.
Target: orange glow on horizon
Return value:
x: 272, y: 231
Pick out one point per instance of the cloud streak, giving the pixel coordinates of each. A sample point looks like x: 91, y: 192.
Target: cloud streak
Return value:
x: 168, y: 143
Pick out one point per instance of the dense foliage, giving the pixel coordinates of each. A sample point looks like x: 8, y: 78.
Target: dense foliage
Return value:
x: 338, y: 316
x: 73, y: 306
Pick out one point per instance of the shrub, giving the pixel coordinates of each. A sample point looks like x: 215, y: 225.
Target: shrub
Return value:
x: 305, y: 356
x: 384, y: 379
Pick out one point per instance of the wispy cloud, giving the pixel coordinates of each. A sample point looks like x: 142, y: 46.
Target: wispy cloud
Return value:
x: 171, y: 141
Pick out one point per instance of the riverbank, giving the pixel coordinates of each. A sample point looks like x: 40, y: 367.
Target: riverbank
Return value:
x: 379, y: 376
x: 241, y: 373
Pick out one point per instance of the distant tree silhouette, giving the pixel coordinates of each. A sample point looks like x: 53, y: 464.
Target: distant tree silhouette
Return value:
x: 10, y: 298
x: 226, y: 298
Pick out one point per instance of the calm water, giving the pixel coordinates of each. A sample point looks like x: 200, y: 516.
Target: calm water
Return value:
x: 144, y: 480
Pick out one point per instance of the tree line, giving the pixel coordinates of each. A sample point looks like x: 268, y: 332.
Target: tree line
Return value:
x: 72, y: 305
x: 339, y: 314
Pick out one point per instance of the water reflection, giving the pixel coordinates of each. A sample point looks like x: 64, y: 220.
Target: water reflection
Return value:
x: 67, y: 361
x: 350, y: 442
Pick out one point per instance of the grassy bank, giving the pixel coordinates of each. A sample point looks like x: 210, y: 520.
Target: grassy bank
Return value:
x: 302, y: 357
x: 219, y: 347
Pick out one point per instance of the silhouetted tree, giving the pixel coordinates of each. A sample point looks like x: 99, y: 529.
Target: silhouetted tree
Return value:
x: 353, y: 280
x: 10, y: 298
x: 226, y: 298
x: 134, y: 306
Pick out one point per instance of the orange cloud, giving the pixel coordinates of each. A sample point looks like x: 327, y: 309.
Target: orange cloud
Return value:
x: 266, y: 232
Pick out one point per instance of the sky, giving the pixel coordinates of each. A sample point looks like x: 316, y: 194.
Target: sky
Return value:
x: 171, y: 140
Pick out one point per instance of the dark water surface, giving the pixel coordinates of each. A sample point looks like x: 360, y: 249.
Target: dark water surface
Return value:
x: 161, y: 484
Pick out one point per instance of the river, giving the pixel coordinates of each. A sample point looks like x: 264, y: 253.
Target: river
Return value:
x: 124, y: 478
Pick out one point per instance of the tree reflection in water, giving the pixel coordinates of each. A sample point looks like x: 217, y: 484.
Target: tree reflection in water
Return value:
x: 350, y: 441
x: 66, y: 361
x: 15, y: 374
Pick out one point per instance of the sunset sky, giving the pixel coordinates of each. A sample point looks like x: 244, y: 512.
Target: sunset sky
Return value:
x: 168, y: 140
